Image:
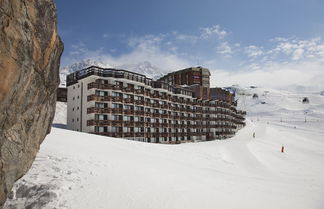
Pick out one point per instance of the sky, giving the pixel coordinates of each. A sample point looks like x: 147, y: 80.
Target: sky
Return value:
x: 250, y: 42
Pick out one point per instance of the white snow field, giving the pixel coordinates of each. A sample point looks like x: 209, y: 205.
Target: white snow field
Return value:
x: 81, y: 171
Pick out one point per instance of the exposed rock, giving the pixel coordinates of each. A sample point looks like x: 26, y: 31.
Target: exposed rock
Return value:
x: 30, y: 51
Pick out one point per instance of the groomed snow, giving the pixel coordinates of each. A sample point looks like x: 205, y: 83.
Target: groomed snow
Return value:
x: 78, y: 170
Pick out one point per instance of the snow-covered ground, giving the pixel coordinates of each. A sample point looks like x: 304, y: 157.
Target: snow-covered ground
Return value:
x: 78, y: 170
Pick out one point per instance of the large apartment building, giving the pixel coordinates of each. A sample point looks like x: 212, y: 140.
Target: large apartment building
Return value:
x: 123, y: 104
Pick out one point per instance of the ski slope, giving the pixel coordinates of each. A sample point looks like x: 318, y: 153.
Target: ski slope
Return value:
x: 78, y: 170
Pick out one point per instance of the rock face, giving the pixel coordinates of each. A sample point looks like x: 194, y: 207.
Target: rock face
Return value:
x: 30, y: 51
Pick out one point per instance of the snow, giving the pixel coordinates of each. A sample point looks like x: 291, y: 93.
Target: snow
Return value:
x: 78, y: 170
x: 60, y: 115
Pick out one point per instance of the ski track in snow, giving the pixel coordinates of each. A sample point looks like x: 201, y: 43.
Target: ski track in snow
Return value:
x: 78, y: 170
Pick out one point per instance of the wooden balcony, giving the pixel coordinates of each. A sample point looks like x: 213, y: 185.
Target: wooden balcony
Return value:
x: 164, y: 125
x: 98, y: 122
x: 98, y: 98
x: 156, y: 105
x: 128, y: 90
x: 165, y: 106
x: 129, y: 100
x: 156, y: 114
x: 147, y: 124
x: 128, y: 112
x: 139, y: 134
x: 129, y: 134
x: 139, y: 123
x: 117, y: 99
x: 139, y: 91
x: 164, y: 116
x: 98, y: 110
x: 165, y: 97
x: 156, y: 125
x: 99, y: 86
x: 117, y: 123
x: 164, y: 134
x: 117, y: 87
x: 117, y: 110
x: 139, y: 112
x: 148, y: 114
x: 129, y: 123
x: 155, y: 96
x: 139, y: 102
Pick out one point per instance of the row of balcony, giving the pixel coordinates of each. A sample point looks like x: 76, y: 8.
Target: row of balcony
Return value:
x: 158, y: 115
x: 120, y: 123
x: 218, y: 111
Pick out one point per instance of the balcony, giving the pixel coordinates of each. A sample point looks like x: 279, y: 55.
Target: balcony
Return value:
x: 129, y: 100
x: 164, y: 125
x: 139, y: 112
x: 117, y: 99
x: 157, y: 105
x: 129, y: 134
x: 98, y: 110
x: 129, y: 123
x: 117, y: 110
x: 164, y: 134
x: 165, y: 97
x: 156, y: 115
x: 98, y: 98
x: 139, y: 134
x: 117, y: 87
x: 157, y: 96
x: 148, y: 114
x: 129, y: 89
x: 139, y: 123
x: 139, y: 102
x: 98, y: 123
x: 128, y: 112
x: 118, y: 123
x: 139, y: 91
x: 164, y: 115
x: 99, y: 86
x: 165, y: 106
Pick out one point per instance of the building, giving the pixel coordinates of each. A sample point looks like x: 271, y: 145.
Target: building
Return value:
x: 189, y: 76
x: 123, y: 104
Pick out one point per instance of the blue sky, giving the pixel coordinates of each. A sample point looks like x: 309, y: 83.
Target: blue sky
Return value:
x: 229, y: 36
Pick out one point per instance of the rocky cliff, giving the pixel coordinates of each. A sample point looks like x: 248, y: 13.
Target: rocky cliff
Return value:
x: 30, y: 51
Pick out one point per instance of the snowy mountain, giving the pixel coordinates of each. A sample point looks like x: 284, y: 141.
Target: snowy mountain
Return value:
x: 78, y: 170
x: 145, y: 68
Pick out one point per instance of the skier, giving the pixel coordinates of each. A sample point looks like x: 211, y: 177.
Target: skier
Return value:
x: 253, y: 134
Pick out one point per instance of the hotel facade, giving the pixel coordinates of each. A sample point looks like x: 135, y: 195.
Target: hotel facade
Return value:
x: 179, y: 107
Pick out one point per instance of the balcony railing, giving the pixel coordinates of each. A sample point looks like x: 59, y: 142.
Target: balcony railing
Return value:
x: 98, y: 110
x: 98, y: 98
x: 98, y: 122
x: 99, y: 86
